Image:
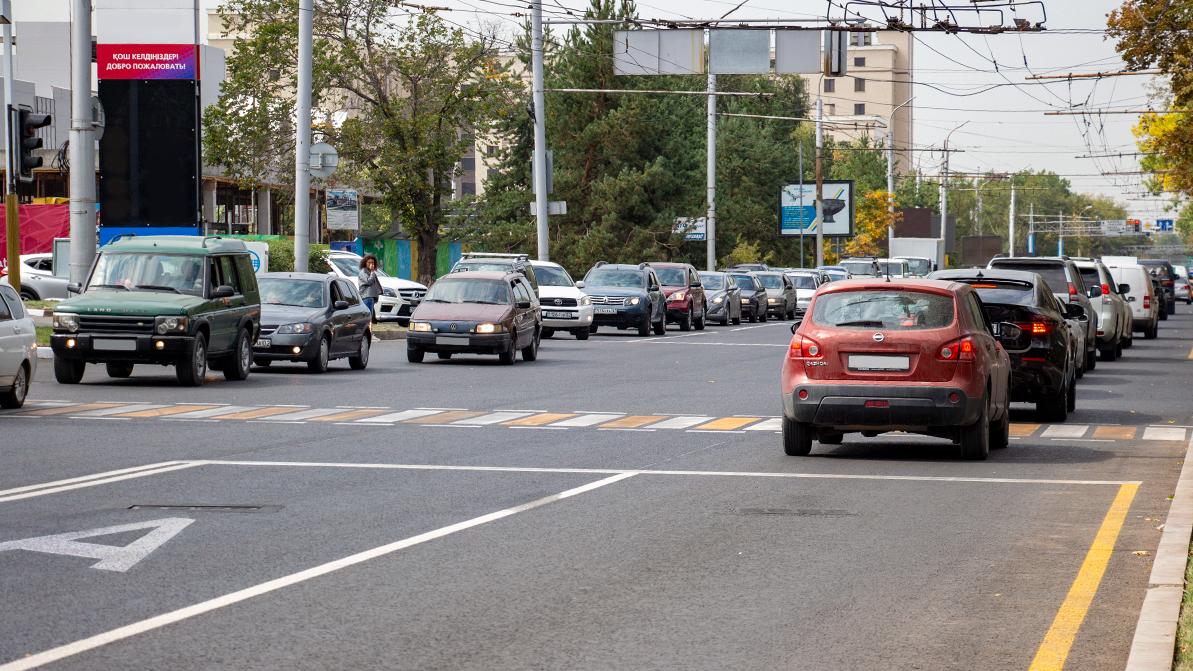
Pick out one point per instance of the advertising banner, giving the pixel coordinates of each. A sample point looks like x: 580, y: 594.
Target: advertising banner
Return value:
x: 343, y: 210
x: 797, y: 209
x: 692, y: 229
x: 40, y: 225
x: 146, y: 61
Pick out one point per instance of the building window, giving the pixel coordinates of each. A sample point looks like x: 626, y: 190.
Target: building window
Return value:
x: 859, y: 84
x: 861, y: 39
x: 830, y: 85
x: 830, y: 108
x: 859, y: 61
x: 491, y: 150
x: 859, y: 108
x: 468, y: 164
x: 467, y: 188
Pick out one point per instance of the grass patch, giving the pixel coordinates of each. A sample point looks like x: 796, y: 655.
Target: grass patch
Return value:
x: 41, y: 305
x: 1184, y: 625
x: 43, y: 335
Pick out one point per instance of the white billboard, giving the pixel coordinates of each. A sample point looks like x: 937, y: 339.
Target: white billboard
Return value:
x: 797, y: 209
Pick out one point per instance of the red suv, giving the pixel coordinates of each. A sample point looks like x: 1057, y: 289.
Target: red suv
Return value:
x: 686, y: 304
x: 905, y: 355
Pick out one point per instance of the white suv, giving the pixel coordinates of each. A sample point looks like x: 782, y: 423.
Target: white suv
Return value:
x: 565, y: 308
x: 398, y: 297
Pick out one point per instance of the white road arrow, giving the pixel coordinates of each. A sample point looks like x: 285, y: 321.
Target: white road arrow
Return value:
x: 111, y: 557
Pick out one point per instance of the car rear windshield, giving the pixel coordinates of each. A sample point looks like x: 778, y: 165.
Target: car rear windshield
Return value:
x: 803, y: 281
x: 712, y: 280
x: 890, y: 309
x: 919, y: 266
x: 1006, y: 292
x: 1090, y: 275
x: 550, y: 276
x: 771, y: 281
x: 1053, y: 274
x: 299, y: 293
x: 1160, y: 267
x: 859, y: 267
x: 448, y: 290
x: 675, y: 277
x: 743, y: 281
x: 611, y: 277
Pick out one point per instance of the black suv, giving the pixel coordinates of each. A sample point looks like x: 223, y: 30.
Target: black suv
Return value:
x: 626, y: 296
x: 1167, y: 275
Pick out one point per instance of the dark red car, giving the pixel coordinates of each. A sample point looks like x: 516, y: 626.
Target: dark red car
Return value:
x: 686, y: 303
x: 905, y: 355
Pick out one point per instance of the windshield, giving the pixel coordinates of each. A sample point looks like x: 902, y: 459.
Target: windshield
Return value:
x: 744, y: 281
x: 896, y: 268
x: 550, y: 276
x: 803, y: 281
x: 149, y: 272
x: 859, y: 267
x: 919, y: 266
x: 346, y: 265
x: 836, y: 274
x: 1053, y: 274
x: 300, y: 293
x: 712, y: 281
x: 611, y: 277
x: 675, y: 277
x: 468, y: 291
x: 771, y: 281
x: 893, y: 309
x: 1006, y: 292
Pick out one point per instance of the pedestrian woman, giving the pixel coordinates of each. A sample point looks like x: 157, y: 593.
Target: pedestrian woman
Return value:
x: 370, y: 283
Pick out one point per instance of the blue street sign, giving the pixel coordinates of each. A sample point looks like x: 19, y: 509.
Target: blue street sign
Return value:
x: 1165, y: 224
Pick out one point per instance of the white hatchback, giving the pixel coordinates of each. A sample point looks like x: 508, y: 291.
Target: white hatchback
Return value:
x: 565, y: 308
x: 398, y: 297
x: 18, y: 349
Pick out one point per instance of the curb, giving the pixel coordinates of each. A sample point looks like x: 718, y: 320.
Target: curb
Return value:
x: 1154, y: 645
x: 385, y: 334
x: 44, y: 352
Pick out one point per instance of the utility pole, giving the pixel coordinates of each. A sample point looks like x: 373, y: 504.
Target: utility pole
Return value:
x: 1031, y: 230
x: 540, y: 128
x: 302, y: 139
x: 710, y: 224
x: 801, y: 203
x: 944, y: 187
x: 819, y: 180
x: 11, y: 225
x: 82, y: 146
x: 890, y: 182
x: 1060, y: 240
x: 1011, y: 233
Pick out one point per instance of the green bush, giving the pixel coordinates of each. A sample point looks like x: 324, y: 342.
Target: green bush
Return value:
x: 281, y: 257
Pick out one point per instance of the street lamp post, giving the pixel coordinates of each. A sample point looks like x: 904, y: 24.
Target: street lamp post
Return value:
x: 890, y: 172
x: 944, y: 184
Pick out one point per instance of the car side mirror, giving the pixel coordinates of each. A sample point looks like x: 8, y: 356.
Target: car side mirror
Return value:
x: 696, y: 284
x: 653, y: 287
x: 341, y: 305
x: 523, y: 305
x: 1124, y: 289
x: 580, y: 284
x: 223, y: 291
x: 1095, y: 291
x: 1073, y: 311
x: 74, y: 288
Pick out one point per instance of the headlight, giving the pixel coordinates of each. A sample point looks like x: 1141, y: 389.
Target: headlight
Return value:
x: 66, y: 321
x: 635, y: 300
x: 166, y: 325
x: 718, y: 300
x: 389, y: 292
x: 305, y: 327
x: 585, y: 300
x: 678, y: 296
x: 489, y: 328
x: 422, y: 327
x: 772, y: 300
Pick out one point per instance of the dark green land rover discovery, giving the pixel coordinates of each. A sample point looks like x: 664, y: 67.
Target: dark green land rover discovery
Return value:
x: 183, y: 301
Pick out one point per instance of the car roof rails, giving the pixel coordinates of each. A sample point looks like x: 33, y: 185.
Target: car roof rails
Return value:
x: 211, y: 237
x: 601, y: 263
x: 121, y: 236
x: 494, y: 255
x: 643, y: 266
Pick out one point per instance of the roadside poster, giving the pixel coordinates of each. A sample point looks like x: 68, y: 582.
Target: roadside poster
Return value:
x: 797, y: 209
x: 343, y: 210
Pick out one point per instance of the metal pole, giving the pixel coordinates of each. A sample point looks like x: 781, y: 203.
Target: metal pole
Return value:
x: 1031, y: 228
x: 302, y: 138
x: 11, y: 224
x: 819, y: 181
x: 801, y: 203
x: 1060, y: 239
x: 1011, y: 235
x: 82, y: 146
x: 710, y: 225
x: 540, y: 129
x: 890, y: 183
x: 944, y: 193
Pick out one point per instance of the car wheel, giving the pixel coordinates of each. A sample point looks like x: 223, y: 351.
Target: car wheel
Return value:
x: 582, y: 333
x: 322, y: 357
x: 191, y: 369
x: 1000, y: 432
x: 831, y: 438
x: 68, y: 371
x: 592, y: 329
x: 686, y: 323
x: 404, y: 322
x: 361, y: 360
x: 1151, y: 332
x: 764, y: 316
x: 237, y: 367
x: 27, y: 295
x: 508, y: 358
x: 1108, y: 354
x: 644, y: 326
x: 1071, y: 397
x: 1055, y: 408
x: 262, y: 363
x: 414, y: 355
x: 1129, y: 342
x: 797, y: 438
x: 119, y: 370
x: 660, y: 327
x: 736, y: 320
x: 1118, y: 351
x: 975, y: 438
x: 1091, y: 359
x: 547, y: 333
x: 699, y: 323
x: 1172, y: 307
x: 531, y: 351
x: 753, y: 318
x: 15, y: 397
x: 1163, y: 314
x: 443, y: 356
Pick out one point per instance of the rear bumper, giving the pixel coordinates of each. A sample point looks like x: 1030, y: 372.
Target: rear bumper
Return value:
x: 1032, y: 381
x: 843, y: 407
x: 143, y: 348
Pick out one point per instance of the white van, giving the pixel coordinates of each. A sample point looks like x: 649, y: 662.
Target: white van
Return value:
x: 1145, y: 309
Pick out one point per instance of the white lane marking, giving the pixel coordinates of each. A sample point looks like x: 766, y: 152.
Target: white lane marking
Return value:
x: 600, y: 471
x: 102, y: 481
x: 682, y: 422
x: 136, y: 628
x: 747, y: 328
x: 215, y: 412
x: 772, y: 424
x: 1086, y: 440
x: 1163, y: 433
x: 93, y: 476
x: 587, y: 420
x: 134, y: 407
x: 398, y: 416
x: 1065, y: 431
x: 302, y: 415
x: 111, y: 557
x: 494, y: 418
x: 668, y: 337
x: 725, y: 344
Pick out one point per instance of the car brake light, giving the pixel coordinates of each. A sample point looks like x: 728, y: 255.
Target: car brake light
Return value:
x: 958, y: 350
x: 1147, y: 302
x: 984, y: 286
x: 804, y: 348
x: 1037, y: 328
x: 1105, y: 289
x: 878, y: 404
x: 1072, y: 290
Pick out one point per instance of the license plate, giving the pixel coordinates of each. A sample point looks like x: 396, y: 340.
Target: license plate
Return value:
x: 263, y: 343
x: 114, y: 345
x: 606, y: 311
x: 872, y: 362
x: 559, y: 315
x: 449, y: 340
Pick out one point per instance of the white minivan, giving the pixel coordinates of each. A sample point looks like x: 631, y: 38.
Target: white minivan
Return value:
x: 1145, y: 309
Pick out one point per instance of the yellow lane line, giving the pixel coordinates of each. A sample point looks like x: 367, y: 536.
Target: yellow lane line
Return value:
x: 1054, y: 649
x: 445, y: 417
x: 632, y: 422
x: 1191, y: 353
x: 350, y: 415
x: 69, y: 409
x: 1024, y: 430
x: 162, y: 412
x: 1115, y: 432
x: 727, y: 423
x: 256, y: 413
x: 540, y: 419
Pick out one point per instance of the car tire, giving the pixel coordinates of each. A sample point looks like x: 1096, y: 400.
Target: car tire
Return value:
x: 1129, y: 342
x: 361, y: 360
x: 414, y: 354
x: 831, y: 438
x: 1071, y: 398
x: 191, y: 369
x: 764, y: 316
x: 1118, y: 351
x: 1152, y: 332
x: 1000, y: 432
x: 531, y: 351
x: 797, y: 438
x: 237, y: 366
x: 660, y: 327
x: 547, y: 333
x: 581, y: 333
x: 508, y: 358
x: 686, y: 323
x: 68, y: 371
x: 1109, y: 354
x: 753, y: 318
x: 1163, y: 314
x: 119, y: 370
x: 592, y: 329
x: 322, y: 359
x: 29, y: 295
x: 700, y: 323
x: 443, y: 356
x: 736, y: 320
x: 1172, y: 307
x: 15, y: 397
x: 644, y: 326
x: 975, y: 438
x: 1091, y: 359
x: 1055, y: 408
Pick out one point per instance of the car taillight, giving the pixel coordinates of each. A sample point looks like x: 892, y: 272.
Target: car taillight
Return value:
x: 1072, y: 290
x: 1037, y: 328
x: 804, y: 348
x: 958, y: 350
x: 1105, y: 289
x: 1147, y: 302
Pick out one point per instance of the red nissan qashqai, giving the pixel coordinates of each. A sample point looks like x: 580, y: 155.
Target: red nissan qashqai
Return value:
x: 904, y: 355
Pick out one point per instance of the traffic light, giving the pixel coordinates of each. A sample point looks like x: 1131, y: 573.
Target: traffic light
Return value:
x: 27, y: 124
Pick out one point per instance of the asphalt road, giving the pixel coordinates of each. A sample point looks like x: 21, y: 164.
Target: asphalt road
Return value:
x: 620, y: 503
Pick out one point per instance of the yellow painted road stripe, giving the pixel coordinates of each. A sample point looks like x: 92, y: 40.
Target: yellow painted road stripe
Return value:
x: 1191, y: 353
x: 444, y: 417
x: 162, y: 412
x: 1054, y: 649
x: 70, y: 409
x: 727, y: 423
x: 540, y: 419
x: 1115, y: 432
x: 350, y: 415
x: 256, y: 413
x: 632, y: 422
x: 1024, y: 430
